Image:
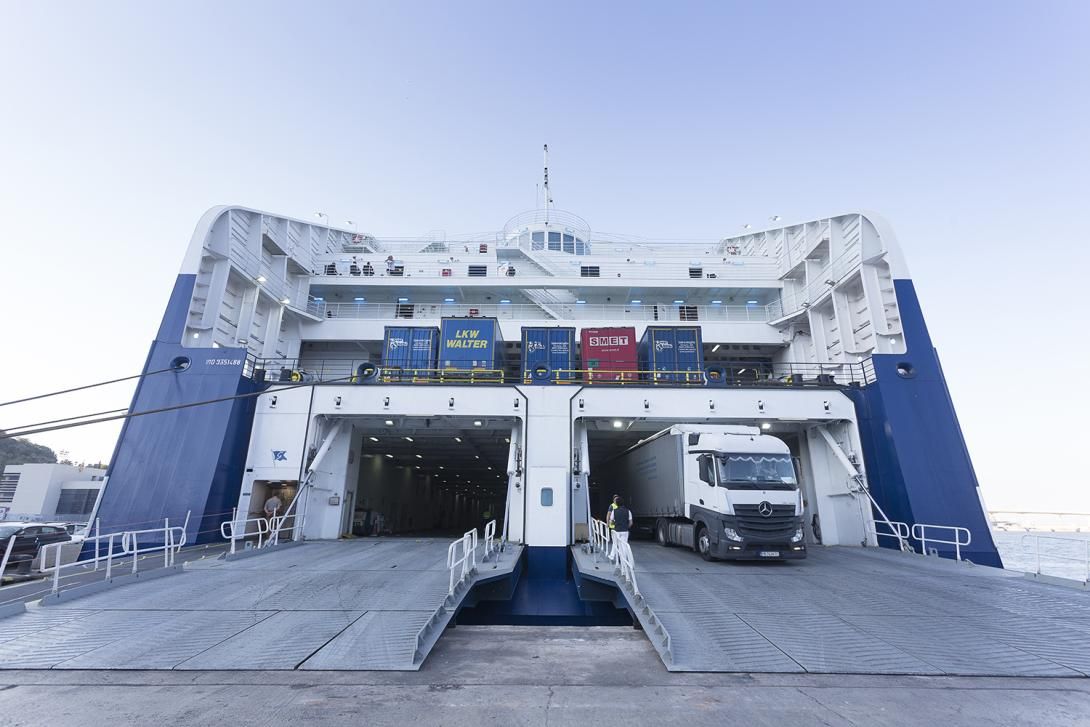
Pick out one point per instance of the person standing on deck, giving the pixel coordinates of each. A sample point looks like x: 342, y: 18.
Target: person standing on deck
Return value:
x: 620, y: 520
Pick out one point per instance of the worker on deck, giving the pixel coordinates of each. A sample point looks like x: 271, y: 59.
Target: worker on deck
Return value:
x: 620, y: 520
x: 609, y: 521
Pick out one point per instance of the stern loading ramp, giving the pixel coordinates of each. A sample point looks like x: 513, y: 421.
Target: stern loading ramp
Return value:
x: 848, y: 610
x: 373, y: 604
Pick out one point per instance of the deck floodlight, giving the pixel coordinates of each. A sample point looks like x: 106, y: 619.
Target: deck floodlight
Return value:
x: 389, y: 422
x: 617, y: 424
x: 766, y: 425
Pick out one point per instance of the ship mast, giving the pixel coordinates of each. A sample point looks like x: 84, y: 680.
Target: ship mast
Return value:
x: 548, y: 199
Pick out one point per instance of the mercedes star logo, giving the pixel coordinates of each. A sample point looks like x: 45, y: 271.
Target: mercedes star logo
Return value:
x: 765, y: 509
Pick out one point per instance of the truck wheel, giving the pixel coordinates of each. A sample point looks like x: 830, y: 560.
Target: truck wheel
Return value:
x: 660, y: 533
x: 704, y: 544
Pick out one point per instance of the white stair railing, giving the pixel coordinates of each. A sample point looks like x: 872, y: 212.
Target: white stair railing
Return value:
x: 462, y: 560
x: 626, y: 565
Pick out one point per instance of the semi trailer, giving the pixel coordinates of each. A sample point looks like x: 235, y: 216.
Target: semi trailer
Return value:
x: 728, y: 492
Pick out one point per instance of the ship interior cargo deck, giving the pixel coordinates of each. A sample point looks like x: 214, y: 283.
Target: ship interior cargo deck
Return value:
x: 433, y: 476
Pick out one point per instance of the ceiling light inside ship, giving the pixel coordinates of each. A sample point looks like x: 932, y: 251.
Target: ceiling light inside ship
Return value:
x: 617, y: 424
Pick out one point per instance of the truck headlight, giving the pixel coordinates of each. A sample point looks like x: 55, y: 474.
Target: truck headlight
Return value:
x: 731, y: 534
x: 797, y: 537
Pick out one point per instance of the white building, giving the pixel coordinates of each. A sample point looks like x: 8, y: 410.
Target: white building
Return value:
x: 49, y: 491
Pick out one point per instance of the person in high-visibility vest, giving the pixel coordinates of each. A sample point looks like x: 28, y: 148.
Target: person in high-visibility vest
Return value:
x: 609, y: 520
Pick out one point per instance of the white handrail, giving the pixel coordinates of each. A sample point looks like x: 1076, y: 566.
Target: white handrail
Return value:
x: 919, y: 533
x: 261, y: 527
x: 626, y: 564
x: 467, y: 560
x: 173, y: 539
x: 489, y: 539
x: 897, y: 530
x: 1084, y: 559
x: 600, y: 537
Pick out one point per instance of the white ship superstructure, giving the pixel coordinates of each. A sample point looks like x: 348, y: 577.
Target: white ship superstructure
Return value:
x: 809, y: 331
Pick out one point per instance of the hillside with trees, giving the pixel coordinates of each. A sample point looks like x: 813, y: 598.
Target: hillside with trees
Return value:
x: 22, y: 451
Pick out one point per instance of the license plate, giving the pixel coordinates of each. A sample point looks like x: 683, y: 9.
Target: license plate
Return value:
x: 769, y: 554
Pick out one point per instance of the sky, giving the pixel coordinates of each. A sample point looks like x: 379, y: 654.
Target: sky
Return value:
x: 962, y: 123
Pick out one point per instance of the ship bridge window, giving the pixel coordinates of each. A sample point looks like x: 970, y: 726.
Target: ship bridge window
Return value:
x: 589, y: 271
x: 554, y: 241
x: 538, y: 241
x: 696, y: 272
x: 687, y: 313
x: 478, y: 271
x: 569, y: 244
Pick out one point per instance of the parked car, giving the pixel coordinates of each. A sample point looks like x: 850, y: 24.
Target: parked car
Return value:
x: 29, y: 538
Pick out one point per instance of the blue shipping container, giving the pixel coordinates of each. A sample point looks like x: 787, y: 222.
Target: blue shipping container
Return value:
x: 409, y: 353
x: 548, y: 355
x: 672, y: 350
x: 471, y: 346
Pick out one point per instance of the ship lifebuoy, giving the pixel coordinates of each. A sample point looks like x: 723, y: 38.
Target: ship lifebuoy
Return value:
x: 542, y: 373
x: 715, y: 375
x: 367, y: 373
x: 296, y: 376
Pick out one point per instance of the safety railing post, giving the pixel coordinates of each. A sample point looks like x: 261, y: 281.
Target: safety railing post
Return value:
x: 98, y: 534
x: 7, y: 556
x: 166, y: 544
x: 56, y: 569
x: 109, y: 555
x: 135, y: 550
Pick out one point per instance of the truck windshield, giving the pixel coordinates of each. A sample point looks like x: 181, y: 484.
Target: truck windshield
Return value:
x: 757, y: 472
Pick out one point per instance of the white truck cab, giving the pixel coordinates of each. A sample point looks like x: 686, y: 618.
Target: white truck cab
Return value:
x: 726, y: 491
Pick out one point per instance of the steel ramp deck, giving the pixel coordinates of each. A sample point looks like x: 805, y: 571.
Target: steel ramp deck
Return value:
x: 375, y: 603
x: 851, y: 610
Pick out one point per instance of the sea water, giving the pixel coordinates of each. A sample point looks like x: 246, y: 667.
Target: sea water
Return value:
x: 1063, y: 554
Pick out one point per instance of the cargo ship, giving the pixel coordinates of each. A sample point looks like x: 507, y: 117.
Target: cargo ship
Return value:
x: 426, y: 387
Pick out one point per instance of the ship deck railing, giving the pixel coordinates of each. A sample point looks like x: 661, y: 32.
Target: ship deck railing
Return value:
x: 569, y: 311
x: 727, y: 374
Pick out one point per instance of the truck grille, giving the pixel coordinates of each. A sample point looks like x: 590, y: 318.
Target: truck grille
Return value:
x: 781, y: 525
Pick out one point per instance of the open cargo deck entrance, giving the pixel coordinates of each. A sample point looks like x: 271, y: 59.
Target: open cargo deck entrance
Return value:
x: 377, y: 604
x: 850, y: 610
x: 428, y: 476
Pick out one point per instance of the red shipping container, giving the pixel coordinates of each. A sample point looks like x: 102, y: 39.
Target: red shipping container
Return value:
x: 607, y: 352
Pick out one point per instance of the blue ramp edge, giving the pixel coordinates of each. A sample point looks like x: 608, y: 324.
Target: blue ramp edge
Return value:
x: 918, y: 466
x: 186, y: 460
